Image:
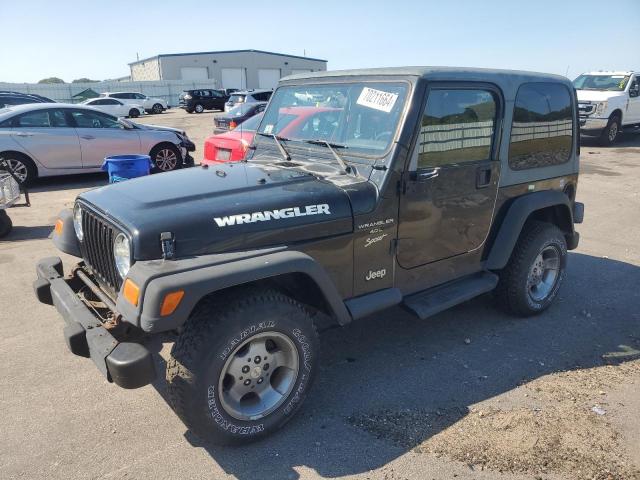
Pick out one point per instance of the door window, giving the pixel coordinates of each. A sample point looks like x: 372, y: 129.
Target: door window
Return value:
x: 87, y: 119
x: 457, y: 126
x: 37, y: 119
x: 58, y: 118
x: 139, y: 96
x: 542, y: 128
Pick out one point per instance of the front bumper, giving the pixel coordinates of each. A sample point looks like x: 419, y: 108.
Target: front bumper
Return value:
x: 127, y: 364
x: 592, y: 125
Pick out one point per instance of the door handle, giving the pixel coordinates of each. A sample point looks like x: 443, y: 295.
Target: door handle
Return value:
x: 87, y: 137
x: 423, y: 175
x: 483, y: 177
x: 24, y: 134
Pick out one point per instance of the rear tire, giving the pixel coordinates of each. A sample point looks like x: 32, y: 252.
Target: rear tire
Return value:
x: 242, y: 366
x: 166, y: 158
x: 5, y: 224
x: 21, y: 166
x: 531, y: 280
x: 611, y: 131
x: 157, y: 108
x: 199, y: 108
x: 134, y: 113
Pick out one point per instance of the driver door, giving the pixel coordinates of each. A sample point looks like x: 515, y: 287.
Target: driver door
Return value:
x: 102, y: 135
x: 448, y: 198
x: 633, y: 110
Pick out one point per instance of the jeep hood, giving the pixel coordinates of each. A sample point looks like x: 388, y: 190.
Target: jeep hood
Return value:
x: 235, y: 206
x: 597, y: 95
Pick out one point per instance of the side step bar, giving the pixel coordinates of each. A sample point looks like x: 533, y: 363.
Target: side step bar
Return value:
x: 434, y: 300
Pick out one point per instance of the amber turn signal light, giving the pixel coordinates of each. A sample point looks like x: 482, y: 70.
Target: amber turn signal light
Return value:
x: 59, y: 226
x: 131, y: 292
x: 171, y: 302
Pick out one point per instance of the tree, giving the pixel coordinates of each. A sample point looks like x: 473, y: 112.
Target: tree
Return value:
x: 51, y: 80
x: 84, y: 80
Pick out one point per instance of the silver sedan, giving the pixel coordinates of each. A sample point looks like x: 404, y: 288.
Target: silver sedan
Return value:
x: 45, y: 139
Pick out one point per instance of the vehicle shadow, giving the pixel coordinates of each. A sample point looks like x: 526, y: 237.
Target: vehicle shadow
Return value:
x: 392, y: 362
x: 21, y: 233
x: 627, y: 139
x: 69, y: 182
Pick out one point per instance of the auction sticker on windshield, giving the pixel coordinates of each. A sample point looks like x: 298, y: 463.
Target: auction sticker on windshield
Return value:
x: 378, y: 99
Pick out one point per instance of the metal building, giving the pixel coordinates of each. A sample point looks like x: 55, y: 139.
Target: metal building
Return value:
x: 225, y: 69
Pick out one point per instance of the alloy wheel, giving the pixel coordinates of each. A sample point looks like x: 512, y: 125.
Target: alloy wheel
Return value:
x: 258, y: 376
x: 157, y: 108
x: 613, y: 131
x: 19, y: 169
x: 544, y: 273
x: 166, y: 160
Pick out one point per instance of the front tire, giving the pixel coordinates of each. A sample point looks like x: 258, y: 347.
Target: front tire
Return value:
x: 611, y: 131
x: 5, y: 224
x: 134, y: 113
x: 157, y: 108
x: 22, y: 167
x: 243, y: 366
x: 531, y: 280
x: 199, y: 108
x: 166, y: 158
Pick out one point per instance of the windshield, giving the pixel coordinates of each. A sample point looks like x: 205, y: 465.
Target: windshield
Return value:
x: 616, y: 83
x: 361, y: 117
x: 236, y: 98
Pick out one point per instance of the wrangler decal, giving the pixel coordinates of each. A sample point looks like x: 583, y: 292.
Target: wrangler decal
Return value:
x: 267, y: 215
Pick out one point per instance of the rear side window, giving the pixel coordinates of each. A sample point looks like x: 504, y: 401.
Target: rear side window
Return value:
x: 37, y: 119
x: 262, y: 97
x: 542, y: 128
x: 457, y: 126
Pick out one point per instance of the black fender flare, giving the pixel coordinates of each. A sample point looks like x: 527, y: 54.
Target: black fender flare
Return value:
x: 515, y: 218
x: 205, y: 279
x: 66, y: 240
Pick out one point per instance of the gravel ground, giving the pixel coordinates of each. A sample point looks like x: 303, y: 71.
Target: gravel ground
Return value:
x: 469, y: 394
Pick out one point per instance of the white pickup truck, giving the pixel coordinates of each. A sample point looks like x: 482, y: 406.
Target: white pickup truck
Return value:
x: 608, y: 102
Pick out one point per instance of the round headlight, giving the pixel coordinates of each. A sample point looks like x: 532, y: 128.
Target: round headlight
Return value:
x: 122, y: 254
x: 77, y: 222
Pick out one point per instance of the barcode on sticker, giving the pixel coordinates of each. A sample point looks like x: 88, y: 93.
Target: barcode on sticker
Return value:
x: 378, y: 99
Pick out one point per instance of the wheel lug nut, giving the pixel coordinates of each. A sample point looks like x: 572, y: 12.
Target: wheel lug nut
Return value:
x: 257, y: 359
x: 245, y: 369
x: 266, y: 366
x: 247, y: 381
x: 260, y: 380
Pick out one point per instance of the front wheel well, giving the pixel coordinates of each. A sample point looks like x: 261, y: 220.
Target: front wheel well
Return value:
x: 616, y: 113
x: 296, y: 285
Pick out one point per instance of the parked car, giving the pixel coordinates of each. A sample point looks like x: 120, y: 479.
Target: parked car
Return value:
x: 237, y: 115
x: 202, y: 99
x: 231, y: 146
x: 150, y: 104
x: 115, y: 107
x: 43, y: 139
x: 247, y: 96
x: 425, y: 188
x: 8, y: 98
x: 608, y: 102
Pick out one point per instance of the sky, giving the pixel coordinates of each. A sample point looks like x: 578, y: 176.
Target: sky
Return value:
x: 73, y: 39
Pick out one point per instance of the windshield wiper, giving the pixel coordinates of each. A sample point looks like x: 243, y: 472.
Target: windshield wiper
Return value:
x: 332, y: 147
x: 278, y: 141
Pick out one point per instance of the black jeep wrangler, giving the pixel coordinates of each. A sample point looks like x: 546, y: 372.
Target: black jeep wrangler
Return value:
x: 419, y: 187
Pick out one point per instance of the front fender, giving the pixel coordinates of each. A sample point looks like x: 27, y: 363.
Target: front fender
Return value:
x: 203, y: 275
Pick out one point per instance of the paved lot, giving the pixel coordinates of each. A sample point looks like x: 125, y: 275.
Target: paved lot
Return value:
x: 470, y: 393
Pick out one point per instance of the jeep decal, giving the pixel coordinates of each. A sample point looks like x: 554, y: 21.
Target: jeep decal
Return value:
x: 268, y: 215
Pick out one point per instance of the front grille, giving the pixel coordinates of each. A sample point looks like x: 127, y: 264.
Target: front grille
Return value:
x: 97, y: 249
x: 586, y: 108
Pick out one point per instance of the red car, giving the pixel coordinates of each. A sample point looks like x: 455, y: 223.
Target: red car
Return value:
x: 232, y: 146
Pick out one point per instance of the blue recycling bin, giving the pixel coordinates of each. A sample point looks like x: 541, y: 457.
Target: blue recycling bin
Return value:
x: 124, y: 167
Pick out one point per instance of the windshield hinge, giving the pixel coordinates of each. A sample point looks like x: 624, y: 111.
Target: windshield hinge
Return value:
x: 168, y: 243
